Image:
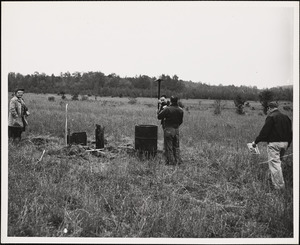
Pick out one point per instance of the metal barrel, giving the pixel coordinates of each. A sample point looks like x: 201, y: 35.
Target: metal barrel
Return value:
x: 146, y: 139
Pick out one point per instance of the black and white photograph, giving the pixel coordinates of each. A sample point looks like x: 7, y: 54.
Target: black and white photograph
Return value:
x: 150, y: 122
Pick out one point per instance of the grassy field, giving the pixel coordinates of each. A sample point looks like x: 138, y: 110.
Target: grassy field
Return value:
x: 221, y: 190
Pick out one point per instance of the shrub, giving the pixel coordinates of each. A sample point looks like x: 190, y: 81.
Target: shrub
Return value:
x: 239, y: 102
x: 264, y: 98
x: 240, y: 109
x: 287, y: 108
x: 84, y: 97
x: 217, y: 106
x: 132, y: 101
x: 75, y: 96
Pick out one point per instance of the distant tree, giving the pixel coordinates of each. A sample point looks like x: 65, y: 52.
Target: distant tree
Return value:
x: 132, y: 100
x: 239, y: 102
x: 217, y: 107
x: 62, y: 93
x: 265, y: 97
x: 97, y: 83
x: 84, y: 97
x: 75, y: 96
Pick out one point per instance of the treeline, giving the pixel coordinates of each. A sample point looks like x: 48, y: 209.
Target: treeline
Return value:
x: 99, y: 84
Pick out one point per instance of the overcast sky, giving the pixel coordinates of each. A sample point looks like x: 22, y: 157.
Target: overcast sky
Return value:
x: 215, y: 43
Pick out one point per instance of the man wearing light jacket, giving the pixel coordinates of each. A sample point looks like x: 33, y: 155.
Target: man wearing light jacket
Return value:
x: 277, y: 132
x: 173, y: 117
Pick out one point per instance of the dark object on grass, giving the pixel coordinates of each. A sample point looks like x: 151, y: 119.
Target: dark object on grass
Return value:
x: 77, y: 138
x: 99, y: 135
x: 146, y: 139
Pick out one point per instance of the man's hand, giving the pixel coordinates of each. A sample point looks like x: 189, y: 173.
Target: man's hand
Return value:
x: 253, y: 144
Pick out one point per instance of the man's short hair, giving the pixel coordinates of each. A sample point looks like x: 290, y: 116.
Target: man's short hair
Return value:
x: 273, y: 104
x: 19, y: 89
x: 174, y: 99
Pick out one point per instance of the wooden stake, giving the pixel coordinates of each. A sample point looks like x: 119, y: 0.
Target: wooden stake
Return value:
x: 42, y: 156
x: 99, y: 135
x: 66, y: 127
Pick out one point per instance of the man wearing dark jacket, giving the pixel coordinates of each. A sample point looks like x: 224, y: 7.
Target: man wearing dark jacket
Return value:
x: 277, y: 132
x: 172, y: 117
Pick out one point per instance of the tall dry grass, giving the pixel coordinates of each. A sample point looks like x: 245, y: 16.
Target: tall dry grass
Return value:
x: 221, y: 191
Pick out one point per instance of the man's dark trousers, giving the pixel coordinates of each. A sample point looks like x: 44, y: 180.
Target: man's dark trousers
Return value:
x: 171, y: 142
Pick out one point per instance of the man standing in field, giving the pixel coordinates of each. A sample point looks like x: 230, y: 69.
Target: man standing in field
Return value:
x: 162, y: 104
x: 277, y: 132
x: 173, y: 117
x: 17, y: 115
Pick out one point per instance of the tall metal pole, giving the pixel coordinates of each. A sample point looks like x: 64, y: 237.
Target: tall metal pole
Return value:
x: 158, y: 91
x: 151, y: 85
x: 66, y: 126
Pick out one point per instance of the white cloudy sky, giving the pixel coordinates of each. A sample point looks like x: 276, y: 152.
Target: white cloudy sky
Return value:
x: 211, y: 42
